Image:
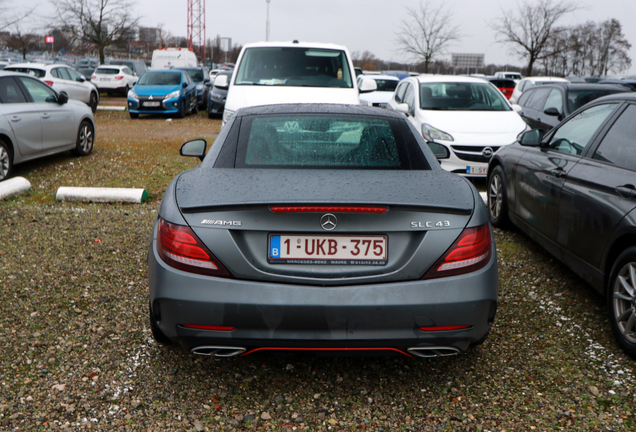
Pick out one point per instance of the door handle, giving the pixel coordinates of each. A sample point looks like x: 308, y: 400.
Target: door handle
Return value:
x: 626, y: 191
x: 15, y: 119
x: 45, y: 116
x: 558, y: 172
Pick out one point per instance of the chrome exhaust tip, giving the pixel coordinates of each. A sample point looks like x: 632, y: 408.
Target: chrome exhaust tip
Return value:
x: 428, y: 352
x: 217, y: 351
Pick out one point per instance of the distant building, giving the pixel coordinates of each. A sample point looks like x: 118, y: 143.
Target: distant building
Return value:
x: 150, y: 35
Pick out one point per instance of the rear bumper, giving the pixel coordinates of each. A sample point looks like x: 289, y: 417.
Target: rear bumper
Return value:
x: 383, y: 318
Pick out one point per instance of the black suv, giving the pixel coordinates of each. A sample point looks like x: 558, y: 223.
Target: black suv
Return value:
x: 543, y: 107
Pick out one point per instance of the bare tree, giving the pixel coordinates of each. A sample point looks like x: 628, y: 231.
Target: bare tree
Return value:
x: 22, y: 42
x: 102, y: 23
x: 427, y: 33
x: 530, y: 28
x: 367, y: 60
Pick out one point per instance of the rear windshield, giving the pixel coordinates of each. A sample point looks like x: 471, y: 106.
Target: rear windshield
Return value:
x: 321, y: 141
x: 578, y: 98
x: 160, y: 78
x: 461, y: 96
x: 300, y: 67
x: 38, y: 73
x: 107, y: 71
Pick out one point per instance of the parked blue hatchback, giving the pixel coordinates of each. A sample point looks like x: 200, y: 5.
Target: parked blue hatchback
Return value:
x: 163, y: 92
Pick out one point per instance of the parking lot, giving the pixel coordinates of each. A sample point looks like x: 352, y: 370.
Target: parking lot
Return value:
x: 78, y: 354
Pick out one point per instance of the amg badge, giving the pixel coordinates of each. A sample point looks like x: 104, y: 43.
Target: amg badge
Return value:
x: 220, y: 222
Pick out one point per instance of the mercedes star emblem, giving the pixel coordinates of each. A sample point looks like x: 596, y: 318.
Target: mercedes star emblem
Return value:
x: 328, y: 222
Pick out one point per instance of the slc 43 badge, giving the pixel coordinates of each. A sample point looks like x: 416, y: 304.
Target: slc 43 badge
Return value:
x: 431, y: 224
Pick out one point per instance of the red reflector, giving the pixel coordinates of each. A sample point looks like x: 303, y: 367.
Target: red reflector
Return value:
x: 470, y: 252
x: 445, y: 328
x: 328, y: 209
x: 207, y: 327
x: 49, y: 83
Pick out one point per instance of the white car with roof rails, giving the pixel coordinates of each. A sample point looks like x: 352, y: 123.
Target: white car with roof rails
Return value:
x: 467, y: 116
x: 291, y: 72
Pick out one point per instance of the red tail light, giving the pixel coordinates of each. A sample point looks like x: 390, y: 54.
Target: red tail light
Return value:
x: 445, y: 328
x: 328, y: 209
x: 49, y: 82
x: 470, y: 252
x: 207, y: 327
x: 93, y: 76
x: 118, y: 77
x: 180, y: 248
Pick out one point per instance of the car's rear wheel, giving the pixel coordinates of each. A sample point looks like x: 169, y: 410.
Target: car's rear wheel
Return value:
x: 93, y: 101
x: 621, y: 300
x: 85, y: 139
x: 157, y: 334
x: 497, y: 198
x: 6, y: 161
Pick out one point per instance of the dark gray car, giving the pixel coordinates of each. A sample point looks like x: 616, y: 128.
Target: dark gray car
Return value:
x: 574, y: 192
x: 321, y: 228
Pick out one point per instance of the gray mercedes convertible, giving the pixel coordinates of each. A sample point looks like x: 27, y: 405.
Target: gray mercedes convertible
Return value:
x: 324, y: 229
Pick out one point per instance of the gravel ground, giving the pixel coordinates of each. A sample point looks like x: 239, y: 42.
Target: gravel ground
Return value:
x: 77, y: 353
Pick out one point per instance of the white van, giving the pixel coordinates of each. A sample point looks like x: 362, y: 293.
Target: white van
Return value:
x: 168, y: 58
x: 291, y: 72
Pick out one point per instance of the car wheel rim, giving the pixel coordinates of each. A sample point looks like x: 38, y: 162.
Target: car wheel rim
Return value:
x: 93, y: 100
x: 4, y: 163
x: 86, y: 138
x: 495, y: 196
x: 625, y: 301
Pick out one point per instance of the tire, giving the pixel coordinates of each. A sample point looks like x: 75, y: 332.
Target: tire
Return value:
x: 157, y: 334
x: 93, y: 101
x: 126, y: 90
x: 621, y: 300
x: 210, y: 115
x: 134, y: 115
x: 6, y: 161
x: 497, y: 198
x: 85, y: 139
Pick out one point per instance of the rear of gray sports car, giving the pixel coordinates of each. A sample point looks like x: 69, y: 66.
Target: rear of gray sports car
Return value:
x: 322, y: 229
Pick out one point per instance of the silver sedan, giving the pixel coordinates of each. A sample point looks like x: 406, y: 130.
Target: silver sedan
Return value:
x: 36, y: 121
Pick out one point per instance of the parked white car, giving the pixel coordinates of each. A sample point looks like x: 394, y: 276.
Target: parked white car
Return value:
x: 526, y: 83
x: 62, y: 78
x: 114, y: 79
x: 515, y: 76
x: 291, y: 72
x: 36, y: 121
x: 168, y: 58
x: 467, y: 115
x: 386, y: 85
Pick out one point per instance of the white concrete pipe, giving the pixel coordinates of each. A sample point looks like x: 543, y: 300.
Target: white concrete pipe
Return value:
x: 14, y: 186
x: 101, y: 195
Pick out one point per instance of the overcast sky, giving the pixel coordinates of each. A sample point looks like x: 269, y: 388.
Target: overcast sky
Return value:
x: 360, y: 25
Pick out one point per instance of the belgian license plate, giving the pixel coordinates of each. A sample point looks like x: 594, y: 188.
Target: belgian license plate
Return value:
x: 330, y: 250
x: 104, y: 79
x: 151, y: 104
x: 481, y: 170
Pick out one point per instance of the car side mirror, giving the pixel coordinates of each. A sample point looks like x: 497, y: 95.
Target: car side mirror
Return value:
x: 207, y: 83
x: 222, y: 82
x: 403, y: 108
x: 367, y: 86
x: 62, y: 98
x: 531, y: 138
x: 440, y: 151
x: 81, y: 79
x: 518, y: 108
x: 552, y: 111
x: 194, y: 148
x: 184, y: 85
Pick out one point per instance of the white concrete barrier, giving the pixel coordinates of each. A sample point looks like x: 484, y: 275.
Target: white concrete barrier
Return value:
x: 111, y: 108
x: 101, y: 195
x: 14, y: 186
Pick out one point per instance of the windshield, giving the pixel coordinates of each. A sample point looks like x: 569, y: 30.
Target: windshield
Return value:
x: 38, y: 73
x: 320, y: 141
x: 300, y: 67
x: 461, y: 96
x: 160, y: 78
x: 195, y: 74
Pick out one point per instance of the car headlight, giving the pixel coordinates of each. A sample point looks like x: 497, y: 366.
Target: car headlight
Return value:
x: 431, y: 134
x: 200, y: 86
x: 132, y: 95
x: 174, y: 94
x: 227, y: 115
